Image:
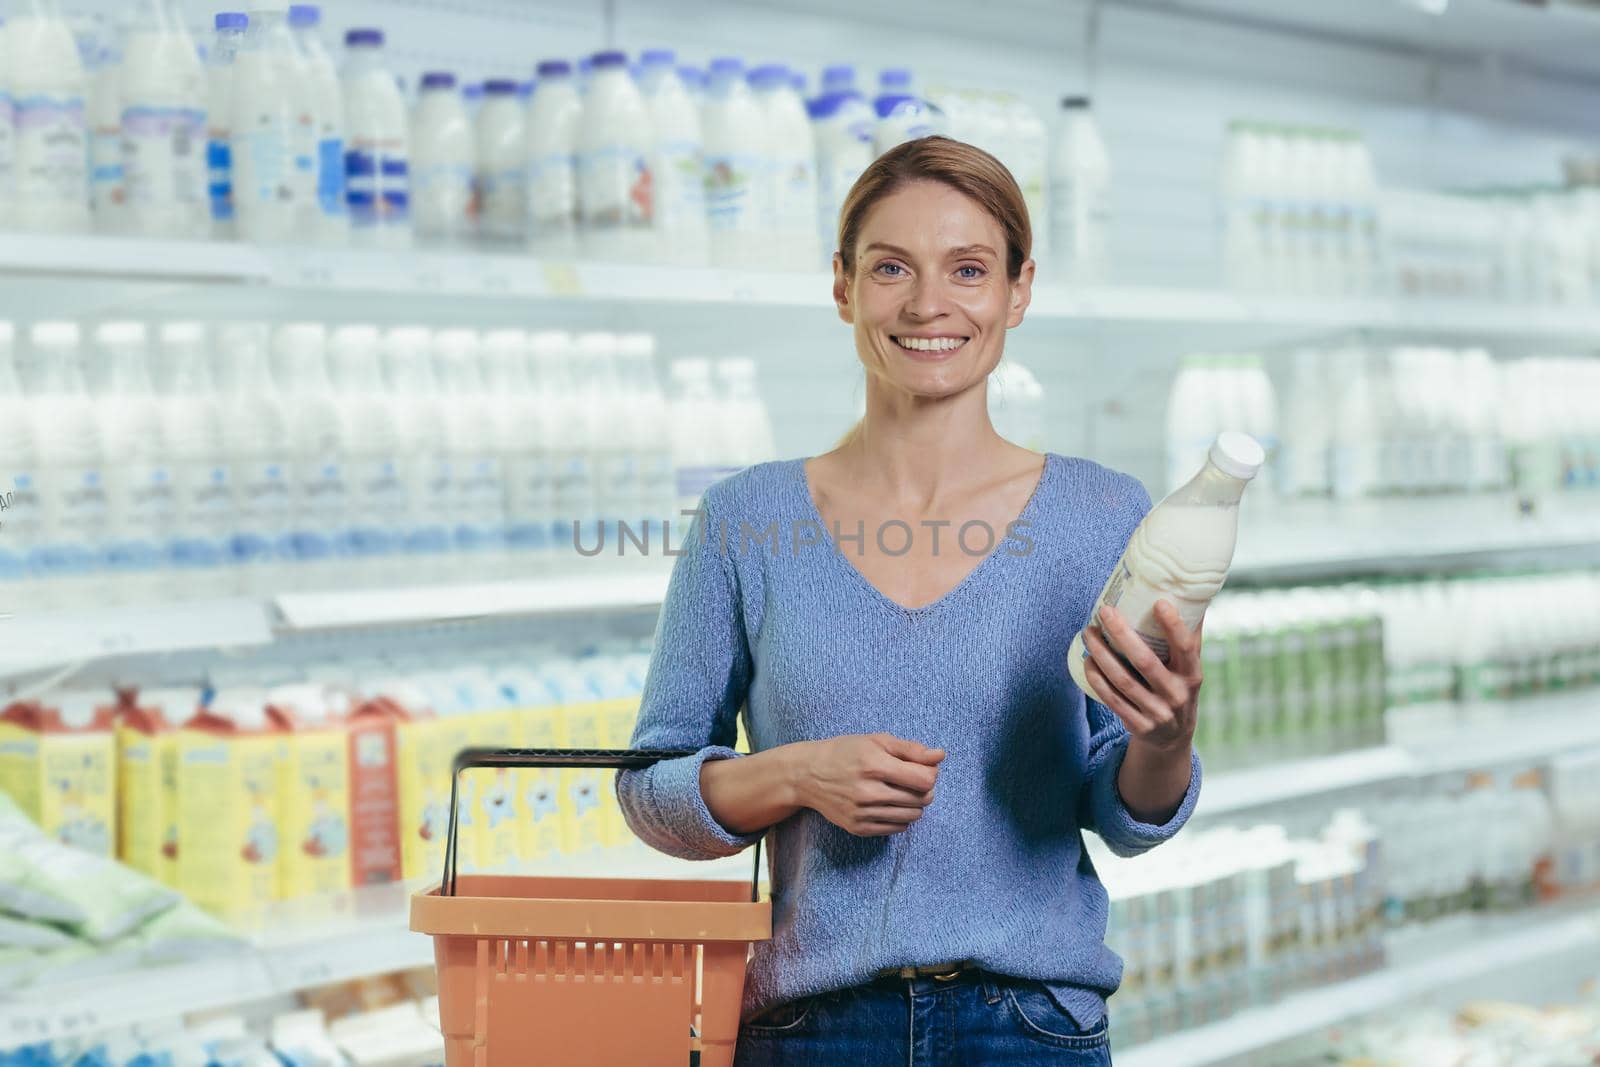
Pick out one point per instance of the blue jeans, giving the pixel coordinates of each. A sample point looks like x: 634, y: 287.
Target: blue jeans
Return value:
x: 975, y: 1020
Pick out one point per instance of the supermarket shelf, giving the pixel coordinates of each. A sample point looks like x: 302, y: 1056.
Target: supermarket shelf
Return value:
x: 33, y: 641
x: 428, y: 274
x: 1236, y: 791
x: 380, y: 607
x: 1520, y: 943
x: 296, y: 945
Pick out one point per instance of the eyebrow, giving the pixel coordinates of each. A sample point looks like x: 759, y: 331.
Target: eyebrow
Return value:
x: 964, y: 250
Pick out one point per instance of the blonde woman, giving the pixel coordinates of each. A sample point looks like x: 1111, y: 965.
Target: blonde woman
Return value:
x: 893, y: 618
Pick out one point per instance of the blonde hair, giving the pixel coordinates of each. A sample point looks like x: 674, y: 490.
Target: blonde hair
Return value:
x: 965, y: 168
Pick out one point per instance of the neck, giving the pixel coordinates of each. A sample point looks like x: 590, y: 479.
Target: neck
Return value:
x: 917, y: 449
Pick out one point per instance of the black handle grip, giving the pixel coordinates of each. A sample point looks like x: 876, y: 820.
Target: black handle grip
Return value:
x: 564, y: 758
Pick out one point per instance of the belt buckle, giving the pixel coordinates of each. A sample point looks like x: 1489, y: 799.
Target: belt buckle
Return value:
x: 950, y: 975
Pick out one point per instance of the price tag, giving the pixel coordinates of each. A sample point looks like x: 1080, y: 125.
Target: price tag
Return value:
x: 562, y: 279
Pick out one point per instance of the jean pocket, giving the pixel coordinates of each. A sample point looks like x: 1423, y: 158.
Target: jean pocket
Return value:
x: 1040, y: 1018
x: 781, y: 1018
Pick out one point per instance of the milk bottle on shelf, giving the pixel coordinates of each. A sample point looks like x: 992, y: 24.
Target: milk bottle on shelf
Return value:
x: 230, y: 27
x: 19, y: 485
x: 699, y: 452
x: 902, y: 116
x: 442, y: 162
x: 736, y: 156
x: 842, y: 124
x: 647, y: 411
x: 1180, y: 552
x: 163, y: 90
x: 139, y: 487
x: 268, y: 195
x: 614, y: 183
x: 106, y: 190
x: 1080, y: 192
x: 8, y: 142
x: 568, y: 442
x: 49, y: 117
x: 331, y: 218
x: 792, y: 168
x: 425, y: 461
x: 259, y: 449
x: 553, y: 161
x: 502, y: 163
x: 613, y: 443
x: 519, y: 414
x: 676, y: 162
x: 320, y: 435
x: 838, y: 78
x: 477, y: 507
x: 202, y: 483
x: 72, y: 476
x: 376, y: 484
x: 376, y: 150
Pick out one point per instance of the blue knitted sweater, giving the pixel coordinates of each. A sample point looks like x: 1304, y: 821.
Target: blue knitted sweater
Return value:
x: 788, y: 630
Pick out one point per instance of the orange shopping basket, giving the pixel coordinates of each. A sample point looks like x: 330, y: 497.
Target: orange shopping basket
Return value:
x: 587, y: 972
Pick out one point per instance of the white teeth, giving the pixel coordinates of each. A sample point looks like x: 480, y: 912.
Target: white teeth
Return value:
x: 931, y: 344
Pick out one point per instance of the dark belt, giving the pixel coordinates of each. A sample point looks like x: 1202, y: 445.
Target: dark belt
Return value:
x: 943, y: 972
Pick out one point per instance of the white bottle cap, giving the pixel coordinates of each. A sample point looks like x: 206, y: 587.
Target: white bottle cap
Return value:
x: 550, y: 342
x: 1237, y: 455
x: 54, y: 334
x: 118, y: 334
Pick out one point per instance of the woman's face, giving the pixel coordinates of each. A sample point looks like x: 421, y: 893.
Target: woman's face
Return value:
x: 929, y: 298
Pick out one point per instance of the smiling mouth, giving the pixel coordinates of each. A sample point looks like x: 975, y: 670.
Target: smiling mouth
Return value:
x: 929, y: 344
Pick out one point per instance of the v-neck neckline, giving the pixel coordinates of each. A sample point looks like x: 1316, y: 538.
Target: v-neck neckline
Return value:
x: 814, y: 513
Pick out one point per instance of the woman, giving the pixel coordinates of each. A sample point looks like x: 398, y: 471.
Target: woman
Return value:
x: 922, y: 761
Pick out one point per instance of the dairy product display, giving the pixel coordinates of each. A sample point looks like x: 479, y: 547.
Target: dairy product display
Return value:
x: 443, y: 159
x: 49, y: 119
x: 377, y: 152
x: 677, y: 160
x: 323, y: 136
x: 616, y: 195
x: 502, y: 163
x: 193, y: 462
x: 791, y: 169
x: 230, y: 30
x: 1180, y: 552
x: 738, y: 203
x: 552, y: 182
x: 162, y: 90
x: 264, y: 136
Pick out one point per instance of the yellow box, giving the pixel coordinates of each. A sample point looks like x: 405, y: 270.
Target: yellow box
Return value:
x: 314, y: 779
x: 147, y: 793
x: 229, y: 815
x: 587, y: 825
x: 427, y: 749
x: 617, y: 717
x: 543, y: 726
x: 64, y: 779
x: 500, y: 820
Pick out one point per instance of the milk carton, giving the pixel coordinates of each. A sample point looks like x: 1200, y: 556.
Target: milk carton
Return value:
x: 229, y: 804
x: 494, y: 839
x: 147, y: 779
x: 426, y: 745
x: 314, y: 779
x: 1180, y: 552
x: 541, y: 724
x: 583, y: 725
x: 373, y: 730
x: 58, y: 762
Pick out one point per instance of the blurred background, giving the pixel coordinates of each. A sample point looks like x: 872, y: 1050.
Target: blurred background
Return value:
x: 351, y: 356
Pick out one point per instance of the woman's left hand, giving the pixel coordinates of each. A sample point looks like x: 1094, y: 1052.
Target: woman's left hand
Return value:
x: 1158, y: 703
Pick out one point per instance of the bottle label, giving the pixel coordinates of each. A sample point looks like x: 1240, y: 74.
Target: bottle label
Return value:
x: 730, y: 192
x: 164, y: 156
x: 219, y: 171
x: 797, y: 194
x: 204, y: 501
x: 264, y: 505
x: 20, y: 517
x: 503, y: 202
x: 380, y: 500
x: 52, y: 151
x: 615, y: 188
x: 105, y: 168
x: 261, y: 163
x: 481, y: 524
x: 330, y: 177
x: 553, y: 195
x: 148, y: 510
x: 376, y: 183
x: 680, y: 194
x: 530, y: 498
x: 8, y: 145
x: 574, y: 501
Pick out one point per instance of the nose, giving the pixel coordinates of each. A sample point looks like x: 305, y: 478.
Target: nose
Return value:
x: 926, y: 299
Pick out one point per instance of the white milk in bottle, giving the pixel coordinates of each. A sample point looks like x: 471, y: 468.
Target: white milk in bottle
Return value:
x: 71, y: 448
x: 614, y: 184
x: 140, y: 503
x: 267, y: 193
x: 553, y: 119
x: 1080, y: 192
x: 163, y: 90
x: 106, y: 192
x: 377, y: 153
x: 526, y: 463
x: 636, y: 355
x: 792, y: 169
x: 902, y: 115
x: 8, y: 141
x: 19, y: 485
x: 331, y: 218
x: 477, y: 507
x: 842, y: 125
x: 502, y: 161
x: 567, y: 428
x: 230, y: 30
x: 376, y: 483
x: 736, y: 157
x: 202, y: 483
x: 259, y: 449
x: 50, y: 121
x: 424, y: 458
x: 322, y: 519
x: 676, y: 161
x: 442, y: 162
x: 1180, y: 552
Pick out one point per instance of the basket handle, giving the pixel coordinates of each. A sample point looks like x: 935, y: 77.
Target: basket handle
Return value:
x: 568, y: 758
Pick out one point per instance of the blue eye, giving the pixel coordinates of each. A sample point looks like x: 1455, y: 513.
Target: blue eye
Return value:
x: 977, y: 272
x: 884, y: 267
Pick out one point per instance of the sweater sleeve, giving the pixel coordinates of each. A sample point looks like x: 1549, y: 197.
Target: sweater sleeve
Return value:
x: 1101, y: 807
x: 699, y: 674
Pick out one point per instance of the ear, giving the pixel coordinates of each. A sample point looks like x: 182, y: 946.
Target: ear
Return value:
x: 841, y: 291
x: 1021, y: 295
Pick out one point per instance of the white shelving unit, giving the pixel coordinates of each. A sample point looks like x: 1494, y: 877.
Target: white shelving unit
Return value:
x: 1521, y: 941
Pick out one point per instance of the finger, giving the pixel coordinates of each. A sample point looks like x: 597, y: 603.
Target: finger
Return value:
x: 1131, y: 717
x: 1134, y: 690
x: 914, y: 751
x: 1157, y: 676
x: 903, y: 816
x: 914, y: 777
x: 897, y: 797
x: 1183, y: 642
x: 880, y: 829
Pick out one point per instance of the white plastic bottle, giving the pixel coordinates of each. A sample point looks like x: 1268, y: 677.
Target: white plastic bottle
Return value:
x: 746, y: 424
x: 1308, y: 428
x: 841, y: 123
x: 330, y: 223
x: 443, y: 158
x: 50, y: 120
x: 8, y: 140
x: 502, y: 144
x: 699, y: 453
x: 203, y: 489
x: 259, y: 448
x: 1080, y: 192
x: 792, y: 168
x: 106, y: 192
x: 1354, y: 466
x: 552, y: 182
x: 163, y: 91
x: 230, y: 31
x: 424, y: 457
x: 268, y: 195
x: 615, y: 192
x: 649, y: 416
x: 736, y: 158
x: 901, y: 115
x: 19, y: 483
x: 72, y: 475
x: 525, y: 463
x: 376, y: 483
x: 567, y: 436
x: 377, y: 153
x: 677, y: 162
x: 320, y: 436
x: 1180, y: 552
x: 477, y: 504
x: 140, y: 505
x: 612, y: 442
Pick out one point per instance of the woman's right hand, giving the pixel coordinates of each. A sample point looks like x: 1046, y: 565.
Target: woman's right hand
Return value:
x: 872, y: 785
